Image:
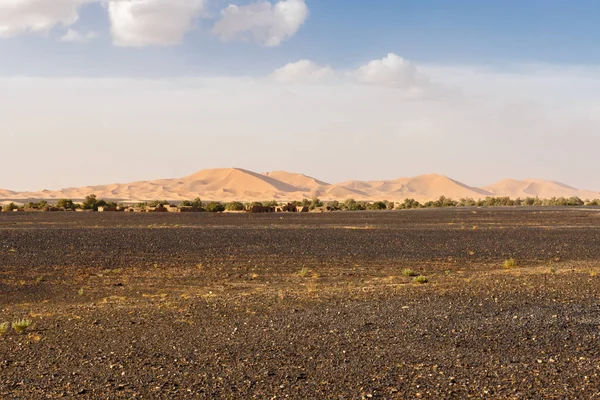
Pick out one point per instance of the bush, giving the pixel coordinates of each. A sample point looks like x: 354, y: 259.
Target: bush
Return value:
x: 196, y: 203
x: 378, y: 205
x: 234, y: 206
x: 89, y: 202
x: 408, y: 204
x: 467, y: 202
x: 215, y: 206
x: 409, y: 272
x: 421, y: 279
x: 67, y: 204
x: 4, y: 328
x: 510, y: 263
x: 21, y: 325
x: 41, y: 205
x: 353, y: 205
x: 333, y: 205
x: 315, y: 203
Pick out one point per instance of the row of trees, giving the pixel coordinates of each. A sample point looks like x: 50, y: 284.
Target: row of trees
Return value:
x: 443, y: 201
x: 92, y: 203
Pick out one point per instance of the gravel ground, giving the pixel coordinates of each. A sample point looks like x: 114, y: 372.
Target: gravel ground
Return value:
x: 306, y: 306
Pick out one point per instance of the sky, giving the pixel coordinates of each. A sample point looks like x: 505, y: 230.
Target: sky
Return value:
x: 106, y: 91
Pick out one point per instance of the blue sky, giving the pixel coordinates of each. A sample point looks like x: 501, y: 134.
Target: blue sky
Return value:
x: 339, y: 33
x: 378, y: 89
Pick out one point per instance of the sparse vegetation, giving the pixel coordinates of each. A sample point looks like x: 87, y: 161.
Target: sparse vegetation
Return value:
x: 21, y: 325
x: 4, y: 328
x: 304, y: 272
x: 409, y: 272
x: 510, y: 263
x: 421, y: 279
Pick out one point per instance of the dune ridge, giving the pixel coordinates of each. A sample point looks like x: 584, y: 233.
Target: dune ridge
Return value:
x: 228, y: 184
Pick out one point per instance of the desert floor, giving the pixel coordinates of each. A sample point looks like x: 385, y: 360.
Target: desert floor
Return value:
x: 302, y: 306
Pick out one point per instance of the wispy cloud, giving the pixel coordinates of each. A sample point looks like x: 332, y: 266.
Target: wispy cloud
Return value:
x: 73, y: 36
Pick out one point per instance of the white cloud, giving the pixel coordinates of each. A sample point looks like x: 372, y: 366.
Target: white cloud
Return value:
x: 36, y: 16
x: 139, y: 23
x: 262, y: 22
x: 302, y: 71
x: 392, y: 71
x: 74, y: 36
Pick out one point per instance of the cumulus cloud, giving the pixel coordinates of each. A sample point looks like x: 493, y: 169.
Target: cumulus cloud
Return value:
x: 36, y: 16
x: 262, y: 22
x: 74, y: 36
x: 302, y: 71
x: 392, y: 71
x: 139, y: 23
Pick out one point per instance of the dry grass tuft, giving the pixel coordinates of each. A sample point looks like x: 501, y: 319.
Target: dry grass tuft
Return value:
x: 409, y: 272
x: 21, y: 325
x: 304, y: 272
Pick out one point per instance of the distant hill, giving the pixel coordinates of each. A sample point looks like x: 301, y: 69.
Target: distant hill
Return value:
x: 537, y: 188
x: 227, y: 184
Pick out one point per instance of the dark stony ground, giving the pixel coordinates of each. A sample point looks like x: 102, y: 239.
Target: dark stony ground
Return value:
x: 311, y: 306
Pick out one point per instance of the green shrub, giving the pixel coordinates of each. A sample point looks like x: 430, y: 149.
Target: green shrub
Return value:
x: 409, y: 272
x: 421, y: 279
x: 408, y: 204
x: 510, y: 263
x: 234, y: 206
x: 215, y: 206
x: 67, y: 204
x: 315, y: 203
x: 4, y: 328
x: 304, y: 272
x: 21, y: 325
x: 378, y: 205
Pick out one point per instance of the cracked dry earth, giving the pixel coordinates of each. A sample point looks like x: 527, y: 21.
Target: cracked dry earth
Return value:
x: 311, y: 306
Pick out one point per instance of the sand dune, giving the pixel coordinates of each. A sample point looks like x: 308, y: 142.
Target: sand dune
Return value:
x: 6, y: 193
x: 227, y: 184
x: 422, y: 188
x: 300, y: 181
x: 537, y: 188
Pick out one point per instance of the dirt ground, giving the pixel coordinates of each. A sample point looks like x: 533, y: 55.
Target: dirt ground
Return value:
x: 302, y: 306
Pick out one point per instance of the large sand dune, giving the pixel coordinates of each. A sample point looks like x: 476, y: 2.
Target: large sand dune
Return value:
x: 227, y: 184
x: 537, y: 188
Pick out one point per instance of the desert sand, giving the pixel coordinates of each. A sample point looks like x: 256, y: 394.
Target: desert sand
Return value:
x: 227, y: 184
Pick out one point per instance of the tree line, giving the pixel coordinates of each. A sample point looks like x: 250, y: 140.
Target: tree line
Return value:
x: 91, y: 202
